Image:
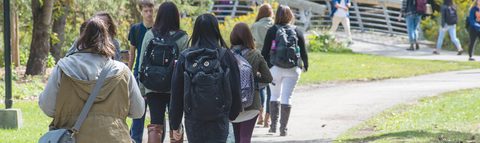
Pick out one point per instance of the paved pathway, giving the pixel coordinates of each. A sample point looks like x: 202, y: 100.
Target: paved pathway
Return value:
x: 342, y: 107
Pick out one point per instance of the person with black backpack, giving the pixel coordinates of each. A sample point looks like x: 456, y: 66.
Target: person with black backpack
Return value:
x: 413, y: 11
x: 449, y: 22
x: 251, y: 62
x: 284, y: 50
x: 473, y: 24
x: 160, y: 49
x: 205, y: 85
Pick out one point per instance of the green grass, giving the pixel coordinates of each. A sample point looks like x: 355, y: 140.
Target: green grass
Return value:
x: 352, y: 66
x: 453, y: 115
x: 32, y: 86
x: 35, y: 124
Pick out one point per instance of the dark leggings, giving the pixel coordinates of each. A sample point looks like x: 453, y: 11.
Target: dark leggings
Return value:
x: 474, y: 35
x: 243, y: 131
x: 157, y: 103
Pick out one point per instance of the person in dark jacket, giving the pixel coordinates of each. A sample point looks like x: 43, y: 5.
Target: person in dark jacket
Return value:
x: 241, y: 39
x: 474, y: 27
x: 448, y: 7
x: 412, y: 17
x: 285, y: 79
x: 206, y: 36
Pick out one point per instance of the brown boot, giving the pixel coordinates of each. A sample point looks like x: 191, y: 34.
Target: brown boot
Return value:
x: 266, y: 122
x: 172, y: 139
x: 260, y: 117
x: 155, y: 133
x: 274, y: 109
x: 284, y: 119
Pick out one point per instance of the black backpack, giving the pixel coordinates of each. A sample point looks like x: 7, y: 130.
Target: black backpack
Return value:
x: 451, y: 16
x: 207, y: 91
x: 158, y: 61
x: 286, y: 54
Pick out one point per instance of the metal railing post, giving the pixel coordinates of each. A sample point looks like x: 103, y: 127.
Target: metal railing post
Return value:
x: 387, y: 18
x: 359, y: 17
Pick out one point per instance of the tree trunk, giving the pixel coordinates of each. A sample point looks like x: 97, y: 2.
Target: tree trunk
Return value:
x: 135, y: 11
x: 42, y: 18
x: 59, y: 28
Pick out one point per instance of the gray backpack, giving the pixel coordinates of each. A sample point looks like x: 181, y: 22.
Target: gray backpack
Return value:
x: 287, y: 53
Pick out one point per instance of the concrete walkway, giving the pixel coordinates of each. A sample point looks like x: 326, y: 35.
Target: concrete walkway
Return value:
x: 345, y: 106
x: 383, y: 44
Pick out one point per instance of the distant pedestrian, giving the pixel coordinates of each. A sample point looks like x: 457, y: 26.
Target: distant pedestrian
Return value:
x: 413, y: 12
x: 243, y: 46
x: 288, y: 57
x: 340, y: 14
x: 449, y: 22
x: 263, y: 22
x: 205, y: 85
x: 74, y: 77
x: 474, y: 27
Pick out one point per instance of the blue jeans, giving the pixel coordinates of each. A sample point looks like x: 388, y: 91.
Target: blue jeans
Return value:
x: 269, y: 94
x: 262, y: 96
x: 206, y: 131
x: 412, y: 25
x: 452, y: 31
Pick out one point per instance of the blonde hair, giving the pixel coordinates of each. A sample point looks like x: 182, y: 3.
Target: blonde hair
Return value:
x: 474, y: 4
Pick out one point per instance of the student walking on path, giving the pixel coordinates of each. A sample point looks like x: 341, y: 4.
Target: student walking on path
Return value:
x: 263, y: 22
x: 286, y: 69
x: 136, y: 36
x: 155, y: 55
x: 449, y: 23
x: 242, y: 43
x: 205, y: 85
x: 474, y: 27
x: 74, y: 77
x: 413, y: 13
x: 340, y: 14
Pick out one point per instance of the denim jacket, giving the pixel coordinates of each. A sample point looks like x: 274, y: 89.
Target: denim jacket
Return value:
x: 334, y: 9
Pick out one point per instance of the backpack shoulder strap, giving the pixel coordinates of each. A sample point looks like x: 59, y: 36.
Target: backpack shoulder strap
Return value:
x: 137, y: 32
x: 156, y: 33
x: 222, y: 52
x: 278, y: 26
x: 178, y: 35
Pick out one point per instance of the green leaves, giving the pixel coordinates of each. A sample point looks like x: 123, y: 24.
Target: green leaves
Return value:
x: 326, y: 42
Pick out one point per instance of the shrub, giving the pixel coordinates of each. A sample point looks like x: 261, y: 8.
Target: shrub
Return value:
x: 326, y: 41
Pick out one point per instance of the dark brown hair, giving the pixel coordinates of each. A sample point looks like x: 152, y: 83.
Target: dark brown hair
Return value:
x: 95, y: 36
x: 284, y: 15
x: 241, y: 35
x: 145, y: 3
x: 264, y: 11
x: 167, y: 19
x: 112, y: 29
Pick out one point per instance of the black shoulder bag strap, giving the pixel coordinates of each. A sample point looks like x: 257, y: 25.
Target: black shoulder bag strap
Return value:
x: 98, y: 85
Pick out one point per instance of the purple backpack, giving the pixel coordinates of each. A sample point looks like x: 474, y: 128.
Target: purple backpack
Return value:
x: 246, y: 78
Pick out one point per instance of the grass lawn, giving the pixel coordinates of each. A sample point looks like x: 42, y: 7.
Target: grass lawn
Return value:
x: 451, y: 116
x: 35, y: 124
x: 352, y: 66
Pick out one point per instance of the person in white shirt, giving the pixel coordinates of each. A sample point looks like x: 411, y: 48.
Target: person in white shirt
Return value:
x: 340, y: 14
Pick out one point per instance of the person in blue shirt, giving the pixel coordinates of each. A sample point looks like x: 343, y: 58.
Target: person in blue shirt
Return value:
x: 474, y: 27
x: 136, y: 35
x: 339, y: 15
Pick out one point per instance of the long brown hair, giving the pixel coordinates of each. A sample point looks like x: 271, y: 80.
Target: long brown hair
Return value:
x: 95, y: 37
x: 264, y: 11
x: 241, y: 35
x: 112, y: 29
x: 284, y: 15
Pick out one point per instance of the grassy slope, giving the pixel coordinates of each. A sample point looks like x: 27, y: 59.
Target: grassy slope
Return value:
x: 453, y: 115
x: 351, y: 66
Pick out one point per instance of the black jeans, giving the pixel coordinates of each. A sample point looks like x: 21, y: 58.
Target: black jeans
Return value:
x: 157, y: 103
x: 206, y: 131
x: 474, y: 35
